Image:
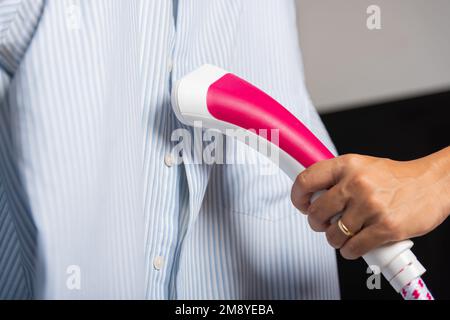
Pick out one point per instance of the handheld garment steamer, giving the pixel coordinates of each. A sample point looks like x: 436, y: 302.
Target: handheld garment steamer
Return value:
x: 221, y: 100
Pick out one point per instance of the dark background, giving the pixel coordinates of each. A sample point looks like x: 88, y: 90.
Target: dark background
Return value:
x: 400, y: 130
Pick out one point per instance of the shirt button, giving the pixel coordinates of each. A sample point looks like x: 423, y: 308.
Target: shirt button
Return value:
x: 168, y: 160
x: 158, y: 263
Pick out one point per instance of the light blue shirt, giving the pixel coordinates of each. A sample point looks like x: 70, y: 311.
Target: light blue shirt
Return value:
x: 90, y: 205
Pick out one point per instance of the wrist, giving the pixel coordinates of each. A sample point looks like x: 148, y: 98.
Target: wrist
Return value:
x: 439, y: 164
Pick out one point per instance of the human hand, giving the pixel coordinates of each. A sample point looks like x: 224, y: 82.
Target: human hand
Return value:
x: 381, y: 200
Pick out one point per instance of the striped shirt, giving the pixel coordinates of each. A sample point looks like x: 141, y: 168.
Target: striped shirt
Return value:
x: 90, y: 203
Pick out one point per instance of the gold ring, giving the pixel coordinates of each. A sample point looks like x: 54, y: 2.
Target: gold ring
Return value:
x: 344, y: 229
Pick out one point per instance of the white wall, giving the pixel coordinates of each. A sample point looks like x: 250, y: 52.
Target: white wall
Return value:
x: 347, y: 65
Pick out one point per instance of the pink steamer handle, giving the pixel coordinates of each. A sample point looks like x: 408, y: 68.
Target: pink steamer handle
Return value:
x: 237, y: 102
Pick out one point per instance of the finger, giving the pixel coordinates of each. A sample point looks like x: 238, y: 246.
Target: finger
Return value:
x: 327, y: 205
x: 320, y: 176
x: 317, y: 227
x: 300, y: 201
x: 368, y: 239
x: 354, y: 222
